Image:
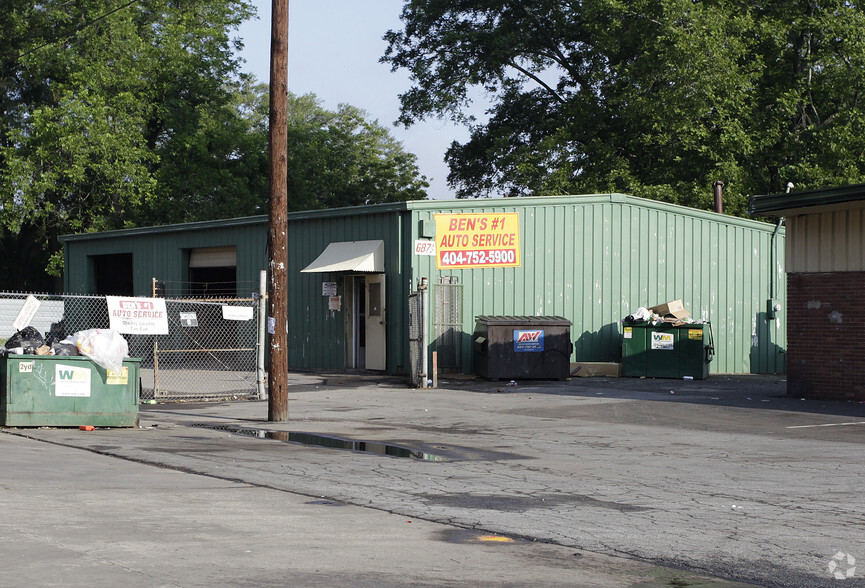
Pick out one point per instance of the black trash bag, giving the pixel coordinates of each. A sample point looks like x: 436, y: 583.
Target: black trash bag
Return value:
x: 28, y: 338
x: 56, y: 333
x: 65, y: 349
x: 632, y: 320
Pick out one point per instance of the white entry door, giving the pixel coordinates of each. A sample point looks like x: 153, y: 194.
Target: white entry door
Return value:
x: 376, y: 323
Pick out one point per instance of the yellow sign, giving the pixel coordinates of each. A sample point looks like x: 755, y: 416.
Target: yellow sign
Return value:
x: 696, y: 334
x: 477, y: 240
x: 121, y: 377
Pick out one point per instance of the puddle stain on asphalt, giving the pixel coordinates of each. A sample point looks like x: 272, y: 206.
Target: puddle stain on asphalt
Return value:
x: 329, y: 441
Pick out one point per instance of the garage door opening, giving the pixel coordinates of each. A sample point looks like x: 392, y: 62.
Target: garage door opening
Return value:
x: 112, y: 274
x: 213, y: 272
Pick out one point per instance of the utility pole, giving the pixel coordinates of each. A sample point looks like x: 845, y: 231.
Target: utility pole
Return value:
x: 277, y: 237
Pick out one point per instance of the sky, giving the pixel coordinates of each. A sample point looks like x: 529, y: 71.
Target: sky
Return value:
x: 334, y: 47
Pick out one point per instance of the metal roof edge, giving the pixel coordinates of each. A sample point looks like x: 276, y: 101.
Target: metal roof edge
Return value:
x: 614, y: 197
x: 412, y: 205
x: 767, y: 204
x: 512, y: 202
x: 709, y: 215
x: 364, y: 209
x: 191, y: 226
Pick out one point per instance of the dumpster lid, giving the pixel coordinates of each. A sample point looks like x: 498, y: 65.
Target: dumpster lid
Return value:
x: 552, y: 321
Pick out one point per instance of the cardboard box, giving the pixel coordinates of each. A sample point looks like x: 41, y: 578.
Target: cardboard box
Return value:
x: 590, y: 369
x: 672, y: 312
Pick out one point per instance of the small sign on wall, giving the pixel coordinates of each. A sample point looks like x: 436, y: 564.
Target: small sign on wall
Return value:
x: 328, y: 288
x: 334, y: 303
x: 424, y: 247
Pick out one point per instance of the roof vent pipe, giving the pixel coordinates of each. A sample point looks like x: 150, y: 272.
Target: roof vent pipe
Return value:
x: 718, y: 185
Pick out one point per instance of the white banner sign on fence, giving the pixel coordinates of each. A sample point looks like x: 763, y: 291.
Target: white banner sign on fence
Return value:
x: 27, y: 312
x: 137, y: 316
x: 237, y: 313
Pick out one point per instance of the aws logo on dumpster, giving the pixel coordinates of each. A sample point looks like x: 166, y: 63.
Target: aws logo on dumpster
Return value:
x: 528, y: 340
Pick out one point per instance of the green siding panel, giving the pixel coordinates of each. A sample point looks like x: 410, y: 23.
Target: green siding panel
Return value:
x: 316, y: 334
x: 162, y: 253
x: 591, y: 259
x: 596, y: 259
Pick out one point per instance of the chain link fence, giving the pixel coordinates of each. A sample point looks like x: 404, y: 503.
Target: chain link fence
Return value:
x: 209, y: 352
x: 447, y: 327
x: 415, y: 339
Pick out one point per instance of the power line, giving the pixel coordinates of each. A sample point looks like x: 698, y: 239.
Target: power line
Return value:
x: 78, y: 29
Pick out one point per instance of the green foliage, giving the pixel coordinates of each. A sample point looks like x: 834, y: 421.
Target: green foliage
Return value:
x: 339, y: 158
x: 219, y: 169
x: 656, y: 98
x: 96, y: 96
x: 116, y: 114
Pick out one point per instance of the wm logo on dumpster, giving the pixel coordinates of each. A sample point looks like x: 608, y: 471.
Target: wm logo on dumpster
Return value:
x: 71, y: 380
x: 74, y: 375
x: 663, y: 341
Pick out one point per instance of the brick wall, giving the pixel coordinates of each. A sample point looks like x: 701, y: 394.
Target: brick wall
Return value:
x: 826, y: 335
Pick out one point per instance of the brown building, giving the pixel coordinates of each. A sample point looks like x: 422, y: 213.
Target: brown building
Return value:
x: 825, y: 255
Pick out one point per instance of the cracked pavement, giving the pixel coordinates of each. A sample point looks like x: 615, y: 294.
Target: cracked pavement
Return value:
x: 726, y: 477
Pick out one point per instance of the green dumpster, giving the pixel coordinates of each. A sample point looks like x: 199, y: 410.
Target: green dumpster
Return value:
x: 58, y: 391
x: 667, y: 351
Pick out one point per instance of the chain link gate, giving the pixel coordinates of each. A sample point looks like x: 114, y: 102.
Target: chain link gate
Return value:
x: 415, y: 338
x: 447, y: 324
x: 207, y: 346
x: 209, y: 353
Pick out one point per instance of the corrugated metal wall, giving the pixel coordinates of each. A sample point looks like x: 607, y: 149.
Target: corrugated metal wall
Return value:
x: 161, y: 253
x: 596, y: 259
x: 316, y: 335
x: 591, y: 259
x: 827, y: 241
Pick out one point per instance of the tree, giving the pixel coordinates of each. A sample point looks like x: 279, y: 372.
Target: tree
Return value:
x: 99, y: 98
x: 220, y: 168
x: 339, y: 158
x: 335, y: 158
x: 656, y: 98
x: 120, y: 113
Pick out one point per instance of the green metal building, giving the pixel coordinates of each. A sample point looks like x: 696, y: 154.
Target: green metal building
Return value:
x: 592, y: 259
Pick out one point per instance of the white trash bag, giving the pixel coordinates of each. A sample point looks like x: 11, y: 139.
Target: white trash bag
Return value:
x: 104, y: 346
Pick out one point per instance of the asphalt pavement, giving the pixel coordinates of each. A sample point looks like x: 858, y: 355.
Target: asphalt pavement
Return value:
x: 586, y: 482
